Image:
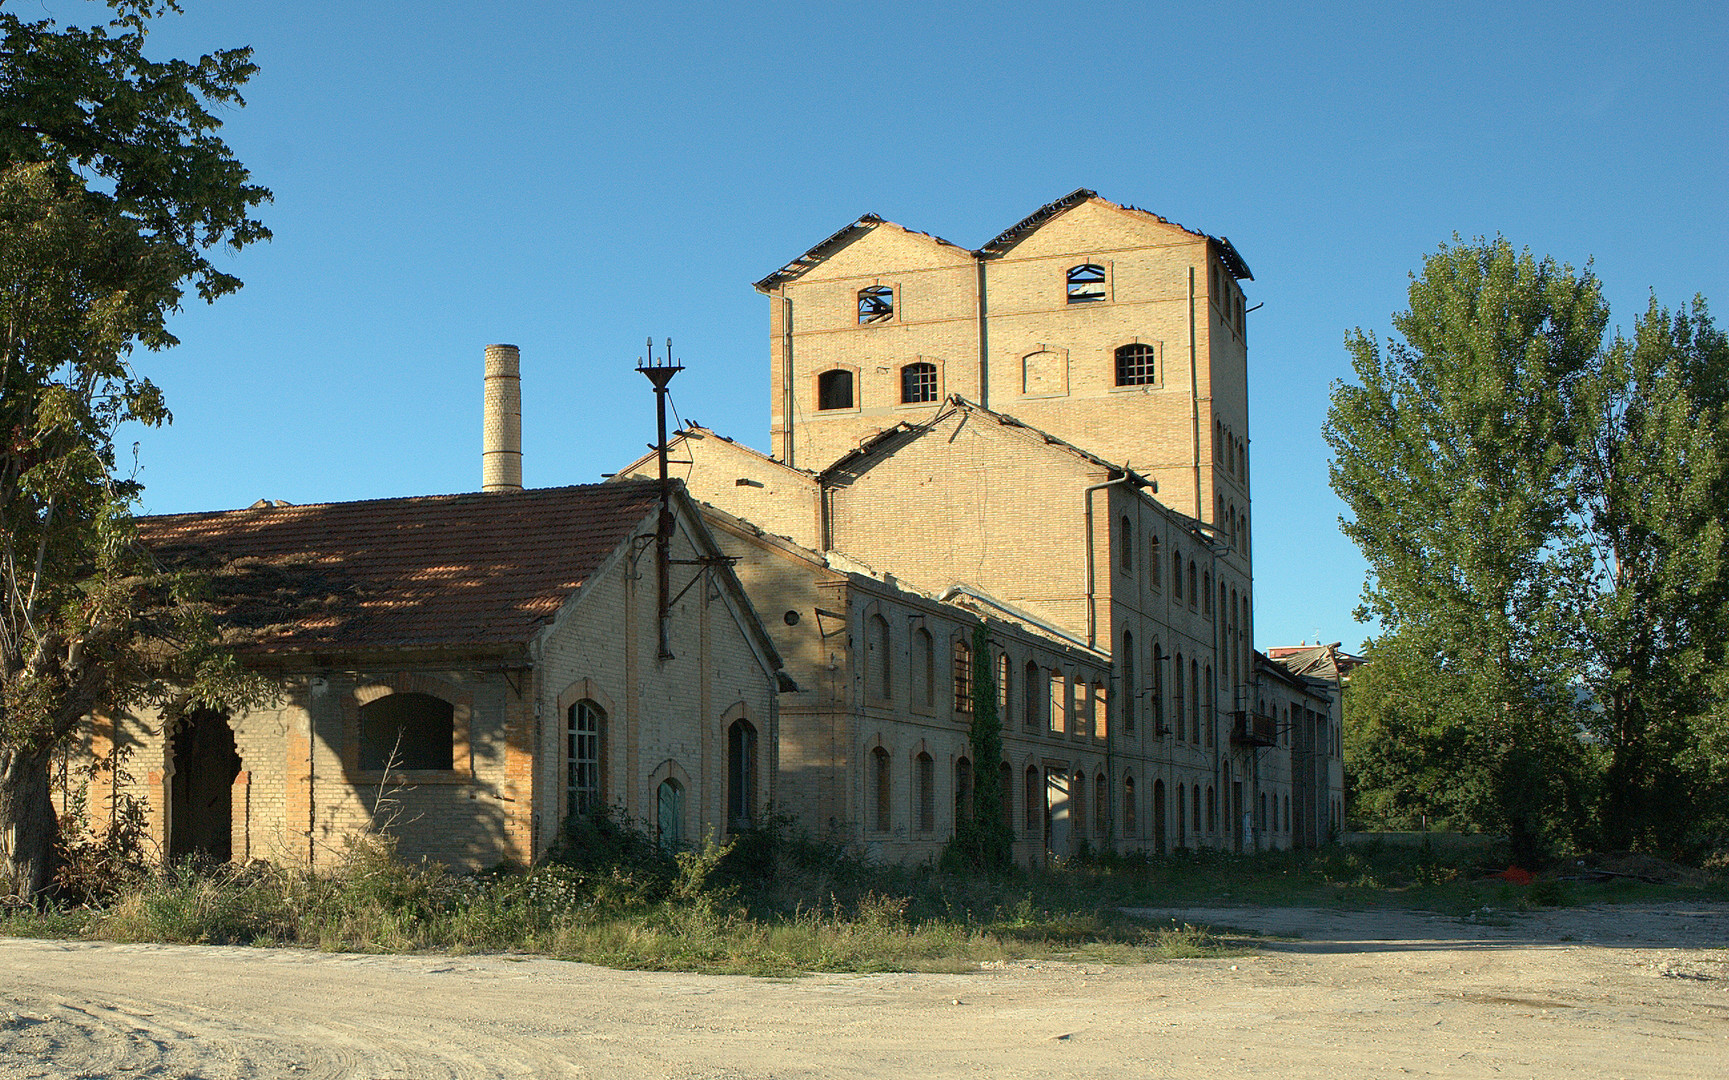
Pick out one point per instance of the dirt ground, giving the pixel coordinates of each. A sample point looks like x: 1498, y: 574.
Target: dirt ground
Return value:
x: 1624, y: 991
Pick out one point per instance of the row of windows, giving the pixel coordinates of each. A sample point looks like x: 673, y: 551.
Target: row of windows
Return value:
x: 1084, y: 284
x: 1036, y: 798
x: 1136, y: 364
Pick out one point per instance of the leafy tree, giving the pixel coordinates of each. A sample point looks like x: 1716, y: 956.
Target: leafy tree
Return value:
x: 1654, y: 603
x: 1455, y: 454
x: 113, y: 187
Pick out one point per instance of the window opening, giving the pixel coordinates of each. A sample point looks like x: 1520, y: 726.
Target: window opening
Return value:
x: 924, y: 669
x: 1006, y: 785
x: 1177, y: 697
x: 1153, y: 560
x: 834, y: 389
x: 741, y: 775
x: 1137, y: 365
x: 1003, y: 686
x: 1126, y: 541
x: 1086, y: 283
x: 918, y: 383
x: 1129, y: 688
x: 878, y: 643
x: 583, y: 730
x: 1158, y: 690
x: 1034, y: 693
x: 1129, y: 821
x: 407, y: 731
x: 669, y: 816
x: 927, y: 773
x: 1101, y: 805
x: 1032, y: 802
x: 876, y: 304
x: 963, y: 676
x: 1176, y: 573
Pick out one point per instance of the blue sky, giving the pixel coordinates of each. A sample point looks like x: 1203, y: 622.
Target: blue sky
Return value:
x: 573, y: 177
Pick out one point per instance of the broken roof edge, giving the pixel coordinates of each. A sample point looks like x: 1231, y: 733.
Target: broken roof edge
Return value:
x: 843, y: 236
x: 1027, y: 619
x: 291, y: 509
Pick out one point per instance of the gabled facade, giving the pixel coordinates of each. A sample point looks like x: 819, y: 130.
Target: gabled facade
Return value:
x: 462, y: 671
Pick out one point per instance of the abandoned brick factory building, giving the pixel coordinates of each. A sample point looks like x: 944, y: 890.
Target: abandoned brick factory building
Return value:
x: 1046, y: 436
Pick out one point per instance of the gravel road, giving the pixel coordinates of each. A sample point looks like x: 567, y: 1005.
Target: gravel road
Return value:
x: 1578, y: 993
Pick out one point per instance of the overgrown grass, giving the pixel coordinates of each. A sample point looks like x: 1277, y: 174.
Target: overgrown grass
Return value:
x: 774, y: 904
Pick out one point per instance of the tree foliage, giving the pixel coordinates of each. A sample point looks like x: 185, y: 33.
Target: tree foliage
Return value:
x: 984, y: 841
x: 113, y: 186
x: 1542, y: 515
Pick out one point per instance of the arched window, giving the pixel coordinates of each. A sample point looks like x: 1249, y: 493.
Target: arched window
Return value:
x: 1101, y: 711
x: 1177, y: 705
x: 1078, y: 804
x: 963, y: 790
x: 1101, y: 805
x: 1195, y: 702
x: 1006, y: 789
x: 1126, y: 546
x: 407, y: 731
x: 1182, y: 817
x: 669, y: 816
x: 834, y: 389
x: 1137, y: 365
x: 879, y: 661
x: 1193, y: 598
x: 1261, y: 821
x: 1130, y: 822
x: 918, y: 383
x: 1129, y: 687
x: 1033, y: 802
x: 1210, y: 705
x: 924, y: 669
x: 585, y: 730
x: 881, y: 790
x: 740, y: 775
x: 1033, y: 688
x: 1231, y: 522
x: 1287, y: 813
x: 1195, y: 799
x: 1086, y: 283
x: 1153, y: 570
x: 925, y: 769
x: 876, y: 304
x: 1207, y: 593
x: 963, y: 676
x: 1003, y: 686
x: 1212, y: 810
x: 1158, y: 690
x: 1176, y: 574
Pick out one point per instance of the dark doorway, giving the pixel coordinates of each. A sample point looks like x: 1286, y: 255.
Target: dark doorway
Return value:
x: 201, y: 807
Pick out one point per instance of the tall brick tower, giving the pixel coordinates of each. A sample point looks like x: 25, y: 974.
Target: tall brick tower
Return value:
x: 1109, y: 327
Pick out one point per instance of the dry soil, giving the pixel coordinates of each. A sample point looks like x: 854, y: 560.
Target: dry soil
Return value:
x: 1577, y: 993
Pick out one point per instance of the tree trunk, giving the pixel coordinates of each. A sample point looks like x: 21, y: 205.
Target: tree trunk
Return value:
x: 28, y: 825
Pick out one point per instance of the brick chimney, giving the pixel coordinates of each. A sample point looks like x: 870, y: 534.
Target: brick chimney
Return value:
x: 501, y: 433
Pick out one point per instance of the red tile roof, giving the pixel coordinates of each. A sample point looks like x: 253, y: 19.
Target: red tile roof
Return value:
x: 440, y: 571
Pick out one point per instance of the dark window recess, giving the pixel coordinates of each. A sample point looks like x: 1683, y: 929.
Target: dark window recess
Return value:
x: 834, y: 389
x: 1137, y: 365
x: 740, y: 775
x: 1086, y: 283
x: 918, y: 383
x: 963, y: 677
x: 407, y: 731
x: 876, y: 304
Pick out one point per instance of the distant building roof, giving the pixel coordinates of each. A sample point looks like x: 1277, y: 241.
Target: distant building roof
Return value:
x: 1317, y: 661
x: 439, y: 571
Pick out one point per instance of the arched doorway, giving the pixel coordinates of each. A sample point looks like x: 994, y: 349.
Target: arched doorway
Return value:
x: 201, y: 789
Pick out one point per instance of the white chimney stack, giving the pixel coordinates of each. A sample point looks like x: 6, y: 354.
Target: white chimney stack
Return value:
x: 501, y: 434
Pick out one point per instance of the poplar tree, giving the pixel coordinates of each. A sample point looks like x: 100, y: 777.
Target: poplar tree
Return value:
x: 113, y: 188
x: 1456, y: 453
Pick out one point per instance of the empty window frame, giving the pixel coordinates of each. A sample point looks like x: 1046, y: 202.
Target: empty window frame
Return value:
x: 1137, y: 365
x: 1158, y: 690
x: 876, y: 304
x: 1003, y: 669
x: 1033, y: 802
x: 669, y: 816
x: 1182, y: 816
x: 834, y: 389
x: 741, y: 775
x: 1195, y: 703
x: 918, y: 383
x: 1207, y: 593
x: 1033, y: 692
x: 1176, y: 574
x: 1126, y: 542
x: 584, y: 734
x: 1086, y: 283
x: 1195, y: 801
x: 1130, y: 690
x: 963, y: 676
x: 1193, y: 592
x: 1177, y: 707
x: 407, y: 731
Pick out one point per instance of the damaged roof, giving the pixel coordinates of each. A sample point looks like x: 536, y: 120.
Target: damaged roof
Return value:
x: 439, y: 571
x: 999, y: 244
